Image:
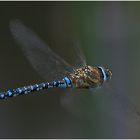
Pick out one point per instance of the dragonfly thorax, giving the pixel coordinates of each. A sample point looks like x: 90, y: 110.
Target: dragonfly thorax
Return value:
x: 87, y: 77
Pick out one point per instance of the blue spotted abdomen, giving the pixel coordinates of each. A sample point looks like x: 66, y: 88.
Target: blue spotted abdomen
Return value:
x: 64, y: 83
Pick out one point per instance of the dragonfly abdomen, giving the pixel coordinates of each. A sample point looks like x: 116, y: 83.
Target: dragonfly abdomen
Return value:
x: 64, y: 83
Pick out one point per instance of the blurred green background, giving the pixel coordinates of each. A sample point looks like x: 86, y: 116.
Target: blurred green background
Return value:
x: 109, y: 33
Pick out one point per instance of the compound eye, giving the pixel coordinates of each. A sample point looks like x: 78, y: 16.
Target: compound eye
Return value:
x: 106, y: 73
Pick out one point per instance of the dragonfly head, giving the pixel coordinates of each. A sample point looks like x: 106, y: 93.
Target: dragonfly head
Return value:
x: 106, y: 72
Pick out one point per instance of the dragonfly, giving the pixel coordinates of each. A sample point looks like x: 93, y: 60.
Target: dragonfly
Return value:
x: 58, y: 73
x: 45, y: 62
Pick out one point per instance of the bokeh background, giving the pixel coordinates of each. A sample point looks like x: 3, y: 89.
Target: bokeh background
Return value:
x: 109, y: 34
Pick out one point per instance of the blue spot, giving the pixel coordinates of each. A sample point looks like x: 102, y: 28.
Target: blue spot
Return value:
x: 68, y: 81
x: 50, y: 86
x: 9, y: 93
x: 25, y: 90
x: 63, y: 85
x: 2, y: 95
x: 19, y: 90
x: 15, y: 94
x: 54, y: 83
x: 43, y: 84
x: 32, y: 88
x: 29, y: 89
x: 37, y: 87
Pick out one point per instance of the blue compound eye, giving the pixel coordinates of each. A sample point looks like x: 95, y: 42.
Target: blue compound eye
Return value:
x: 107, y: 74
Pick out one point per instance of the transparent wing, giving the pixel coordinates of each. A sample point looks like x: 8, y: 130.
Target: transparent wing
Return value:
x: 43, y: 59
x: 79, y: 55
x: 122, y: 103
x: 85, y: 104
x: 80, y: 103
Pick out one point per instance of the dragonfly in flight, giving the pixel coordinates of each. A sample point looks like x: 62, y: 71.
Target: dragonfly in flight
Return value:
x: 45, y: 61
x: 60, y: 73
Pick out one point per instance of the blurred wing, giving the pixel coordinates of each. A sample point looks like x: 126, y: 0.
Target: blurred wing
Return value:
x: 43, y: 59
x: 120, y: 102
x: 79, y: 55
x: 85, y: 103
x: 81, y: 103
x: 74, y: 100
